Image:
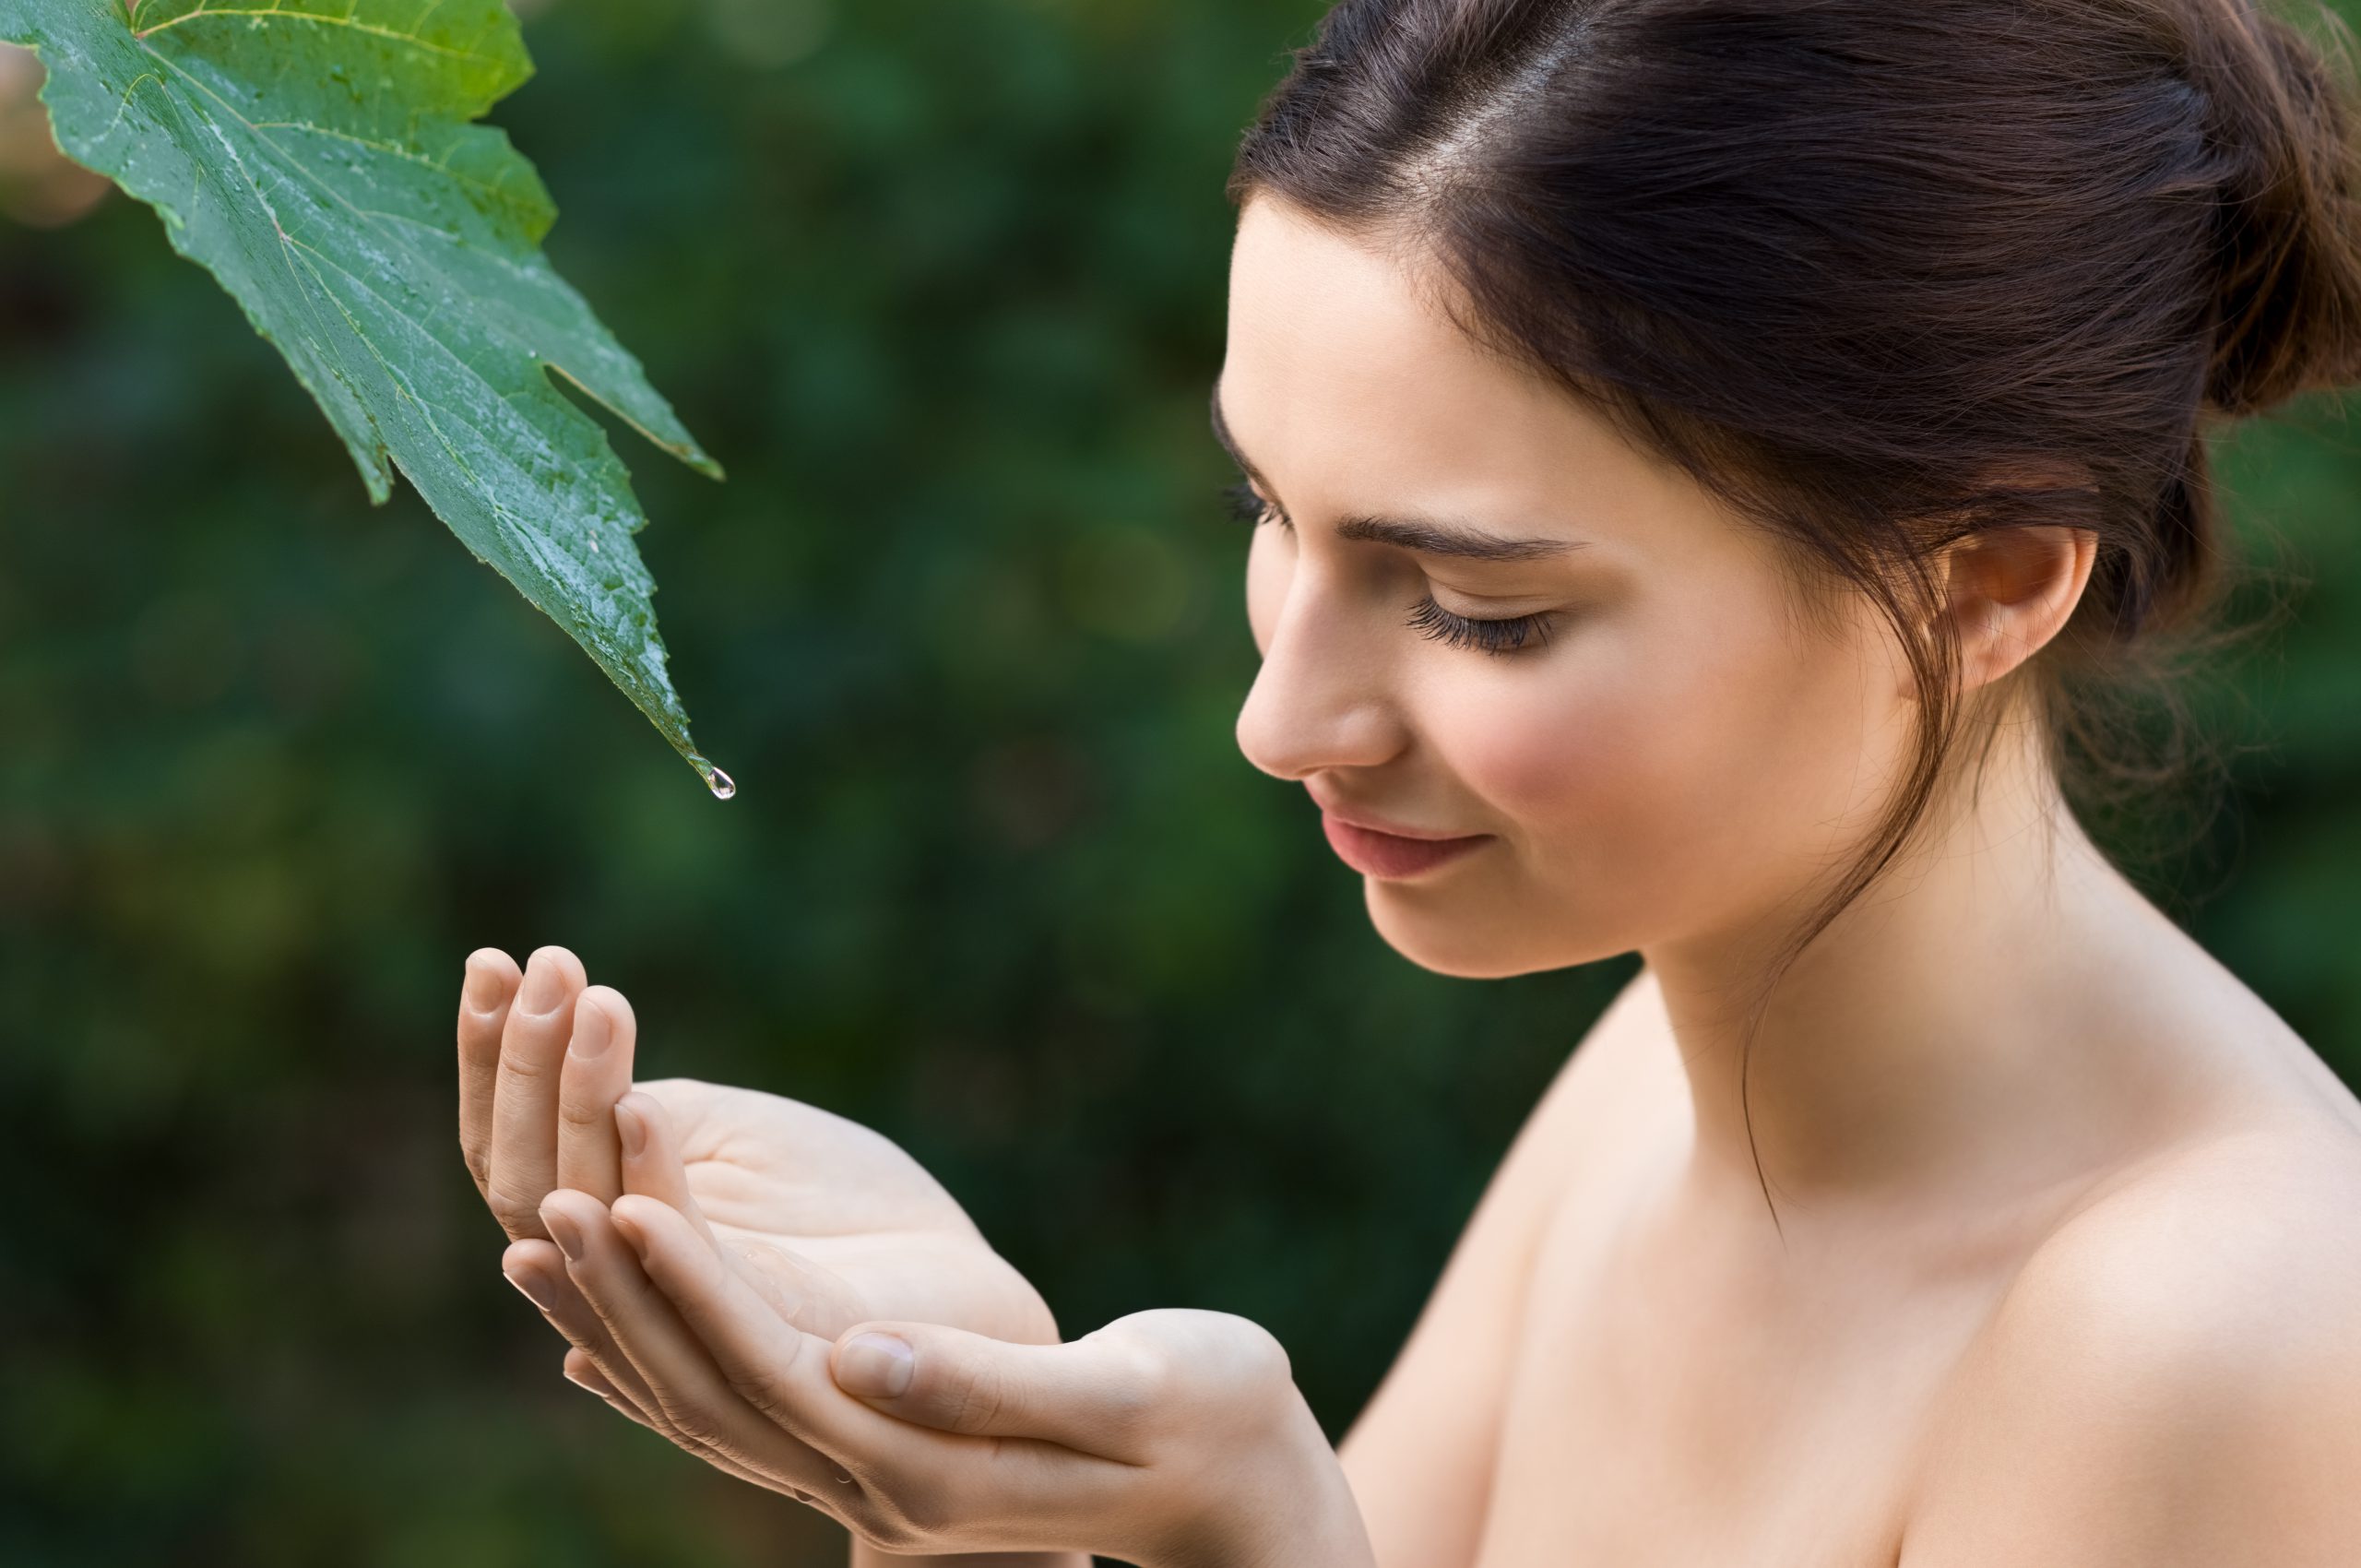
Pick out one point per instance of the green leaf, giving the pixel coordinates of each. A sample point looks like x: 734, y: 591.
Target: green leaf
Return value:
x: 316, y: 157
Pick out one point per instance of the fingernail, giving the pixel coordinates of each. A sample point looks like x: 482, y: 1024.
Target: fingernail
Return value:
x: 592, y: 1030
x: 875, y: 1364
x: 585, y: 1387
x: 630, y: 1131
x: 544, y: 987
x: 531, y: 1288
x: 482, y: 988
x: 564, y: 1233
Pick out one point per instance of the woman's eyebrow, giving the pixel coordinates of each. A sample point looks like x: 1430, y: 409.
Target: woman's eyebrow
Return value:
x: 1431, y: 536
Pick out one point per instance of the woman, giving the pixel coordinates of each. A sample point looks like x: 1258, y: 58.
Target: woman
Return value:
x: 1706, y: 455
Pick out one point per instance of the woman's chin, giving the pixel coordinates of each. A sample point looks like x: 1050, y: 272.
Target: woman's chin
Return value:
x: 1450, y: 938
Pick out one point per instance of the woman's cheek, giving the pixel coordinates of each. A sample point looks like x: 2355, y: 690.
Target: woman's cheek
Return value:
x: 1537, y: 753
x: 1624, y: 775
x: 1699, y: 773
x: 1591, y: 740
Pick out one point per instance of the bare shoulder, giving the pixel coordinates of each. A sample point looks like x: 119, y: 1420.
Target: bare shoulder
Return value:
x: 2173, y: 1376
x: 2235, y: 1258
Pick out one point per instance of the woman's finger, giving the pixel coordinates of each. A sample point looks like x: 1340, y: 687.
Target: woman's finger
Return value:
x: 810, y: 1298
x: 1170, y: 1410
x: 523, y: 1110
x: 595, y: 1072
x: 1097, y: 1394
x: 484, y: 996
x: 583, y: 1373
x: 538, y: 1270
x: 692, y: 1399
x: 766, y: 1361
x: 597, y: 1372
x: 651, y: 1159
x: 996, y: 1494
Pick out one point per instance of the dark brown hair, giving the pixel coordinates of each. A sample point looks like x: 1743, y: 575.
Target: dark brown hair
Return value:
x: 1879, y: 274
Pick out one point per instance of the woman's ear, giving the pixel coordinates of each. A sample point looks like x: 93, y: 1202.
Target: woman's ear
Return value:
x: 2008, y: 590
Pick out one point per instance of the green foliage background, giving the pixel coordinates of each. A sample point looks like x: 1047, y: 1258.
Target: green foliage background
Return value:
x: 944, y: 287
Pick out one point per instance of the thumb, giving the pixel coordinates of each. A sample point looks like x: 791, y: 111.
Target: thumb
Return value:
x: 1091, y: 1393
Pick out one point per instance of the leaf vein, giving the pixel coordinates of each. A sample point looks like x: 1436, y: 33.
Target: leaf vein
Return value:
x: 448, y: 352
x: 343, y: 21
x: 122, y: 105
x: 394, y: 148
x: 296, y: 164
x: 425, y: 408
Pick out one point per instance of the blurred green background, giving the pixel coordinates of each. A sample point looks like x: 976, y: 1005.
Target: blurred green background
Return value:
x: 944, y: 287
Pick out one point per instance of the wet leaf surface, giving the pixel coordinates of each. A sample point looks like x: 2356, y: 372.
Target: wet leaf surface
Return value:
x: 318, y: 157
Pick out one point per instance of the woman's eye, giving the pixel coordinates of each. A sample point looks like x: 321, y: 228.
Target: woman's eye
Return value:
x: 1248, y: 507
x: 1428, y: 618
x: 1501, y: 637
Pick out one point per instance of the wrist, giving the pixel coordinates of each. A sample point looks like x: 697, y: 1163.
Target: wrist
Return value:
x: 1285, y: 1504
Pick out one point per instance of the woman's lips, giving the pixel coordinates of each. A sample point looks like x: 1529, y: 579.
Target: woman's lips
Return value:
x: 1389, y: 855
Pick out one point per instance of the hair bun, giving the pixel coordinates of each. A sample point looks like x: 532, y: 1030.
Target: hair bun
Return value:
x: 2287, y: 229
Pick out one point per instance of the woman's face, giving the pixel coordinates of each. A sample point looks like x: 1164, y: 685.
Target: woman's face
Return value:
x: 1672, y: 751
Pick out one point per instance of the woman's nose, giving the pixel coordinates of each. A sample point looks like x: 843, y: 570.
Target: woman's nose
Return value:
x: 1321, y: 698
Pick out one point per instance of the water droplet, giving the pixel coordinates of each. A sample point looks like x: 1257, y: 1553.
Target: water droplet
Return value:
x: 721, y: 784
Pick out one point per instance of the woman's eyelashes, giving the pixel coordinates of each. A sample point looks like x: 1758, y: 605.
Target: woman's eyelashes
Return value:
x: 1428, y: 619
x: 1505, y: 635
x: 1247, y: 506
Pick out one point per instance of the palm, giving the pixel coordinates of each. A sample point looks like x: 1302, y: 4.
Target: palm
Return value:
x: 868, y: 1232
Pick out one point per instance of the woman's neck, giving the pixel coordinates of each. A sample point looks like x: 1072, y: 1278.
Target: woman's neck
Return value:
x: 1975, y: 1024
